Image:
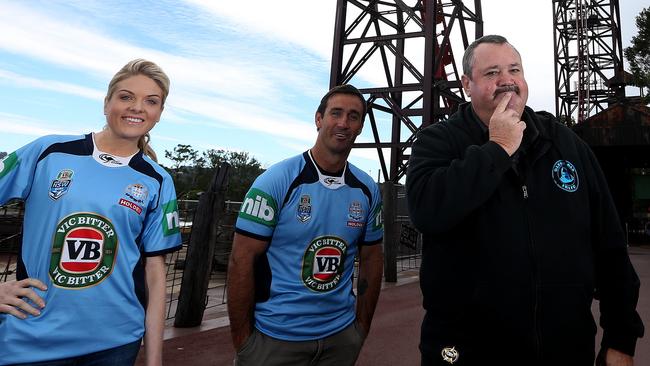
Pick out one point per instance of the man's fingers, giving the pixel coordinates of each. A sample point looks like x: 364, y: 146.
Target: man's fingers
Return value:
x: 503, y: 103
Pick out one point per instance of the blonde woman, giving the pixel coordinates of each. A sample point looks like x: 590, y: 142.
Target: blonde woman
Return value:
x: 100, y: 215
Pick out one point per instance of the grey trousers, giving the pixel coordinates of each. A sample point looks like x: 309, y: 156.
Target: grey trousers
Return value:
x: 339, y: 349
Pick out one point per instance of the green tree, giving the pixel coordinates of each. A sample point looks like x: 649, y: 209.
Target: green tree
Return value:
x: 193, y: 173
x: 243, y: 170
x: 638, y: 54
x: 185, y: 163
x: 182, y: 156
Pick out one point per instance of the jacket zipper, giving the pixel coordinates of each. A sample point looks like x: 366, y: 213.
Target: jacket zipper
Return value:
x: 538, y: 348
x: 524, y: 190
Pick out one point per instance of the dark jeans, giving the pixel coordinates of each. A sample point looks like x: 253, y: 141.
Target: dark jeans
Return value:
x: 118, y: 356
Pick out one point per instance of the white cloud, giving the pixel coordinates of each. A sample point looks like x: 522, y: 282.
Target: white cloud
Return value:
x: 279, y: 59
x: 225, y: 92
x: 20, y: 125
x: 246, y: 116
x: 52, y: 85
x: 307, y: 23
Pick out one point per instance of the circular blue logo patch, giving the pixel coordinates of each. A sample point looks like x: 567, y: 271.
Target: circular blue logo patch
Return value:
x: 565, y: 175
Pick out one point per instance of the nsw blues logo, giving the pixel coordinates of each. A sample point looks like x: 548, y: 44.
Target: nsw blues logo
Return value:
x: 61, y: 184
x: 565, y: 175
x: 355, y: 214
x: 137, y: 192
x: 304, y: 208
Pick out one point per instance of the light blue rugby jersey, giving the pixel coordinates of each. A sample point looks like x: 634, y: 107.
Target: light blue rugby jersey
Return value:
x: 89, y: 220
x: 314, y: 224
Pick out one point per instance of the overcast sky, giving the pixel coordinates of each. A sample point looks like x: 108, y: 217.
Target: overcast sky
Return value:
x: 246, y: 75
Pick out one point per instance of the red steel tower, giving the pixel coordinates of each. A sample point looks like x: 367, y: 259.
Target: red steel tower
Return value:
x: 589, y: 72
x: 401, y: 56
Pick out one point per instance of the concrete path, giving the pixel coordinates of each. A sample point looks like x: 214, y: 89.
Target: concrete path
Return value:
x: 394, y: 337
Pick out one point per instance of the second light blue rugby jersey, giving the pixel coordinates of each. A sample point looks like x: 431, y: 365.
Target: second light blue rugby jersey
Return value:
x: 314, y: 224
x: 90, y: 218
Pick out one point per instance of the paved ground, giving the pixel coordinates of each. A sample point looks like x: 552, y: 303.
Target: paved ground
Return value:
x: 393, y: 338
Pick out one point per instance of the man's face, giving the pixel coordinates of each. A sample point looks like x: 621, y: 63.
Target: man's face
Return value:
x: 496, y: 69
x: 340, y: 124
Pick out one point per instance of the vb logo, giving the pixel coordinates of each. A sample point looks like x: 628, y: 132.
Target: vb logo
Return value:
x: 326, y: 263
x: 84, y: 250
x: 323, y: 263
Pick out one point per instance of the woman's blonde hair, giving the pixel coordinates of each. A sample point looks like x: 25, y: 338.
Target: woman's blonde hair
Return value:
x: 154, y: 72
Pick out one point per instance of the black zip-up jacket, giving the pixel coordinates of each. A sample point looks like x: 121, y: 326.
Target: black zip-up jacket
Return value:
x: 515, y: 248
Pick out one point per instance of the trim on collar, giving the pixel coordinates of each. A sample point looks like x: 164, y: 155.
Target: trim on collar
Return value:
x: 329, y: 181
x: 109, y: 160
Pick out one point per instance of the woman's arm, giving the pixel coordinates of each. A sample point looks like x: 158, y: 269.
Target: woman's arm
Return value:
x: 155, y: 315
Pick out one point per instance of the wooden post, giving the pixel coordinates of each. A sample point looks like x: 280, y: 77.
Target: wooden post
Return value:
x: 391, y: 232
x: 198, y: 261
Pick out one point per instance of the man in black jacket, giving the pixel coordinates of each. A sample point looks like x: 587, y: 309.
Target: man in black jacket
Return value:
x: 520, y: 232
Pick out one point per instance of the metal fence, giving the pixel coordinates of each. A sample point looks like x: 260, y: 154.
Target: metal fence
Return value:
x: 11, y: 223
x: 11, y: 217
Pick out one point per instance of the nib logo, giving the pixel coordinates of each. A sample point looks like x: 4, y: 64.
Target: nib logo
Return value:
x: 259, y: 207
x: 8, y: 163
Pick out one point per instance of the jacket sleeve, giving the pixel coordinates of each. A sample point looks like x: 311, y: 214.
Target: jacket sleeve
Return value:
x: 617, y: 284
x: 448, y: 177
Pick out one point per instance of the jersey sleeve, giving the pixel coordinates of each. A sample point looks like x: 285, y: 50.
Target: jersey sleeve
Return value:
x: 161, y: 233
x: 374, y: 231
x: 260, y: 209
x: 17, y: 171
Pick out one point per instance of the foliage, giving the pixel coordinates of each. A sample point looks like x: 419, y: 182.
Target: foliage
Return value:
x: 638, y: 54
x: 193, y: 173
x: 243, y: 170
x: 182, y: 156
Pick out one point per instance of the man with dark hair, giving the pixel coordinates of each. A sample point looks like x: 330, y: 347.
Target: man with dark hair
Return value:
x: 301, y: 225
x: 519, y: 232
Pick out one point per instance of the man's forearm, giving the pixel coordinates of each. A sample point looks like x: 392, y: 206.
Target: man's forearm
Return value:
x: 371, y: 268
x: 240, y: 302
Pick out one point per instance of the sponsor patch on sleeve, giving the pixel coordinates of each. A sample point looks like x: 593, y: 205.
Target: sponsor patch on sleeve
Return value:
x: 260, y: 207
x: 8, y: 164
x: 171, y: 221
x: 377, y: 219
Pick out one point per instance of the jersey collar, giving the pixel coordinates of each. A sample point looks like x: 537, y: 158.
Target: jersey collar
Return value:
x: 329, y: 181
x: 109, y: 160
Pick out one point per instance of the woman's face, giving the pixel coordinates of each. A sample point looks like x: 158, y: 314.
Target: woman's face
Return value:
x: 134, y: 108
